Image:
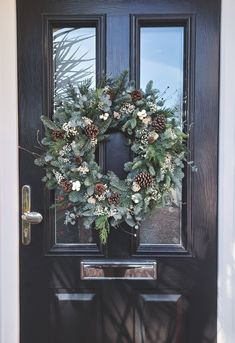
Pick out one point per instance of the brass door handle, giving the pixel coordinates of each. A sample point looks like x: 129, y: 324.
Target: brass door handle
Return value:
x: 27, y: 216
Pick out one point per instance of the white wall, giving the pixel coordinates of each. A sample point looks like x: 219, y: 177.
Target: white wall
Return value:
x: 9, y: 299
x: 226, y: 282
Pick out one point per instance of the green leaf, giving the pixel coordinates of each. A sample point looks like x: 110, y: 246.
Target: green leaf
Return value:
x: 51, y: 184
x: 88, y: 182
x: 130, y: 221
x: 102, y: 225
x: 105, y: 126
x: 90, y: 190
x: 137, y: 164
x: 49, y: 124
x: 133, y: 123
x: 74, y: 196
x: 152, y: 170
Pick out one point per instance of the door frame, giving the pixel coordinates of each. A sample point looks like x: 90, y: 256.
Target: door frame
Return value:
x: 9, y: 255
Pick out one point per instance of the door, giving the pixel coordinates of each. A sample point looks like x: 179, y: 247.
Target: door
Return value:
x: 158, y: 284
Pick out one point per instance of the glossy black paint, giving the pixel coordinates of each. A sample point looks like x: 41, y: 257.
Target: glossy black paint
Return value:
x: 180, y: 306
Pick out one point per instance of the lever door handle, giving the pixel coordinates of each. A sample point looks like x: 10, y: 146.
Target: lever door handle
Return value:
x: 32, y: 217
x: 27, y: 216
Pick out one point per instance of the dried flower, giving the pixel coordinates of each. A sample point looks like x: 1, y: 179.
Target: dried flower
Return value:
x: 116, y: 115
x: 83, y: 169
x: 91, y: 200
x: 87, y: 121
x: 147, y: 120
x: 152, y: 137
x: 142, y: 114
x: 135, y: 187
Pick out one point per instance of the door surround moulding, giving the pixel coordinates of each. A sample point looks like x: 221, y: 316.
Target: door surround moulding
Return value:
x: 226, y: 233
x: 9, y: 270
x: 9, y: 257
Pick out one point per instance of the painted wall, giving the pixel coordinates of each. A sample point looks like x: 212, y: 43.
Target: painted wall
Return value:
x: 226, y: 282
x: 9, y: 299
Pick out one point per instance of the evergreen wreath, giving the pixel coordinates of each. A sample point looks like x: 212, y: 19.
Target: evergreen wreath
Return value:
x: 83, y: 120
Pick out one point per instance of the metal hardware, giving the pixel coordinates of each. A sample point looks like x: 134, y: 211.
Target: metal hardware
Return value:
x: 32, y: 217
x: 118, y: 269
x: 27, y: 216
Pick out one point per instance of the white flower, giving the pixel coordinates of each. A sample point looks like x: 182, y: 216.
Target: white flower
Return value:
x: 58, y: 176
x: 83, y: 169
x: 94, y: 142
x: 65, y: 150
x: 171, y: 134
x: 104, y: 116
x: 76, y: 186
x: 135, y: 187
x: 142, y: 114
x: 135, y: 198
x: 100, y: 197
x: 152, y: 106
x: 87, y: 121
x: 100, y: 210
x: 69, y: 129
x: 146, y: 120
x: 116, y: 115
x: 127, y: 108
x: 91, y: 200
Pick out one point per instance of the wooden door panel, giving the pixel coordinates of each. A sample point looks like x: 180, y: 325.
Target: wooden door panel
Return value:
x: 70, y: 313
x: 160, y: 318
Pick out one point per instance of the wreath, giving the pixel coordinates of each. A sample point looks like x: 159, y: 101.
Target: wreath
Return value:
x: 81, y: 121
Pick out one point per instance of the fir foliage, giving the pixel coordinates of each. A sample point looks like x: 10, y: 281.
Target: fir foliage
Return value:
x: 69, y: 155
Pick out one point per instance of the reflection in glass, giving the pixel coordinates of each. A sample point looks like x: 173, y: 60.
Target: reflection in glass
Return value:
x: 162, y: 60
x: 74, y: 57
x: 74, y: 60
x: 68, y: 233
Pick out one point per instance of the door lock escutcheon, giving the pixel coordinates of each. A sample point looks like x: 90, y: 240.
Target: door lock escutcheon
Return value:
x: 27, y: 216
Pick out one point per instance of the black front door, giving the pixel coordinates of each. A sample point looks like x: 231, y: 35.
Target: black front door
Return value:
x: 70, y: 284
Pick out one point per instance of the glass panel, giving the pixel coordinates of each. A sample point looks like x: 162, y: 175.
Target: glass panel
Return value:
x: 74, y: 57
x: 162, y: 60
x: 68, y: 233
x: 74, y: 60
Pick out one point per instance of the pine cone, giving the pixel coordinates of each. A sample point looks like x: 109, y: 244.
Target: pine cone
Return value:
x: 159, y: 123
x: 78, y: 159
x: 57, y: 135
x: 114, y: 199
x: 66, y: 185
x: 144, y: 179
x: 136, y: 95
x: 92, y: 131
x: 111, y: 94
x: 100, y: 188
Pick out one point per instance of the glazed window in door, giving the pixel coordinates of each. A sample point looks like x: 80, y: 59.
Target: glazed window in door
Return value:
x: 162, y: 50
x: 73, y: 53
x: 74, y: 59
x: 162, y: 60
